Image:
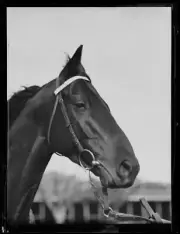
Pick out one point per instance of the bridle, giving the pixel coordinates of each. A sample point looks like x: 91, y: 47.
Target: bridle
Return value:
x: 60, y: 100
x: 81, y: 150
x: 107, y: 210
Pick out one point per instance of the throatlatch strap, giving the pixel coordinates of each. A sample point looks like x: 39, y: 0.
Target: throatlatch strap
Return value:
x: 54, y: 111
x: 51, y: 119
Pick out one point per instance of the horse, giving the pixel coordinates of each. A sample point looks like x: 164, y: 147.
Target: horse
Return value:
x: 66, y: 116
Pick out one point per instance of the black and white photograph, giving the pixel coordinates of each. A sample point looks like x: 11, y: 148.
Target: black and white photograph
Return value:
x: 89, y: 115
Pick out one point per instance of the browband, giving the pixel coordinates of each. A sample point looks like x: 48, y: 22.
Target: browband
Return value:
x: 68, y: 82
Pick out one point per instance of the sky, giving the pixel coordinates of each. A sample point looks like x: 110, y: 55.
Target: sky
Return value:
x: 127, y: 54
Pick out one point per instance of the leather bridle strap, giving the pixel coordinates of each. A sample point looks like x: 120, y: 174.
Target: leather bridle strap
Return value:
x: 68, y: 124
x: 60, y: 100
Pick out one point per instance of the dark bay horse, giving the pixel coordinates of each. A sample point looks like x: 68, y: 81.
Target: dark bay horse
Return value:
x: 65, y: 116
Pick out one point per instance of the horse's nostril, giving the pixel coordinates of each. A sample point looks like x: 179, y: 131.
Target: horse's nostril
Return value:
x: 125, y: 169
x: 126, y: 164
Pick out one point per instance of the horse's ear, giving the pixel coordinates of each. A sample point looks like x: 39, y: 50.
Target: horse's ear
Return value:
x: 73, y: 66
x: 77, y: 55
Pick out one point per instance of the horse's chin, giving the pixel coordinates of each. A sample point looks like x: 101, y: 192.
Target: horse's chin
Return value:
x: 107, y: 181
x: 105, y: 178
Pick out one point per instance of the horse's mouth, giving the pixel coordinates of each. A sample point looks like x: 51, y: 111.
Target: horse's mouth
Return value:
x: 105, y: 177
x: 108, y: 178
x: 108, y: 181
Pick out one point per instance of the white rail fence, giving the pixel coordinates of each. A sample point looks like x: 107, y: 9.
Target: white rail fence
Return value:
x: 91, y: 211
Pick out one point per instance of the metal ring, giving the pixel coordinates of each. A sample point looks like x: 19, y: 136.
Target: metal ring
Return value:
x: 109, y: 210
x: 93, y: 159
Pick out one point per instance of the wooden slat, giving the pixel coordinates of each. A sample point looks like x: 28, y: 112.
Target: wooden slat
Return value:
x: 159, y: 208
x: 71, y: 213
x: 86, y: 211
x: 130, y: 209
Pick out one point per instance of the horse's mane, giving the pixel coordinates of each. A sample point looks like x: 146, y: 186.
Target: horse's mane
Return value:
x: 18, y: 100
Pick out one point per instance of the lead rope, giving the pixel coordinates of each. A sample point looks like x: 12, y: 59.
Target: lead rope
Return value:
x: 108, y: 212
x: 102, y: 201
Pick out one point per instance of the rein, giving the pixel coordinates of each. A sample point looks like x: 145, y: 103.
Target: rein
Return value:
x: 108, y: 212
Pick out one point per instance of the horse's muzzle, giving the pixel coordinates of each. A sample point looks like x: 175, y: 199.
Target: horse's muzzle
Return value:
x: 124, y: 176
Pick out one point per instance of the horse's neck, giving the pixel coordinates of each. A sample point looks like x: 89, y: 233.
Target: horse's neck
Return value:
x: 27, y: 160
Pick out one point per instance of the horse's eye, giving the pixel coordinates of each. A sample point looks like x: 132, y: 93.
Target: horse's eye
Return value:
x: 80, y: 105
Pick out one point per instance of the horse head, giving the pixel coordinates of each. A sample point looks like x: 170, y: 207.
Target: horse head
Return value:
x: 94, y: 127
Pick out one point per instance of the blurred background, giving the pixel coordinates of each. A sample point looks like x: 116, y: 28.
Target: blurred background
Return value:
x: 66, y: 199
x: 127, y: 54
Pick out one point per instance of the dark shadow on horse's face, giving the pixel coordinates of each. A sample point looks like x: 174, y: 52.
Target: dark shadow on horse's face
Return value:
x: 97, y: 131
